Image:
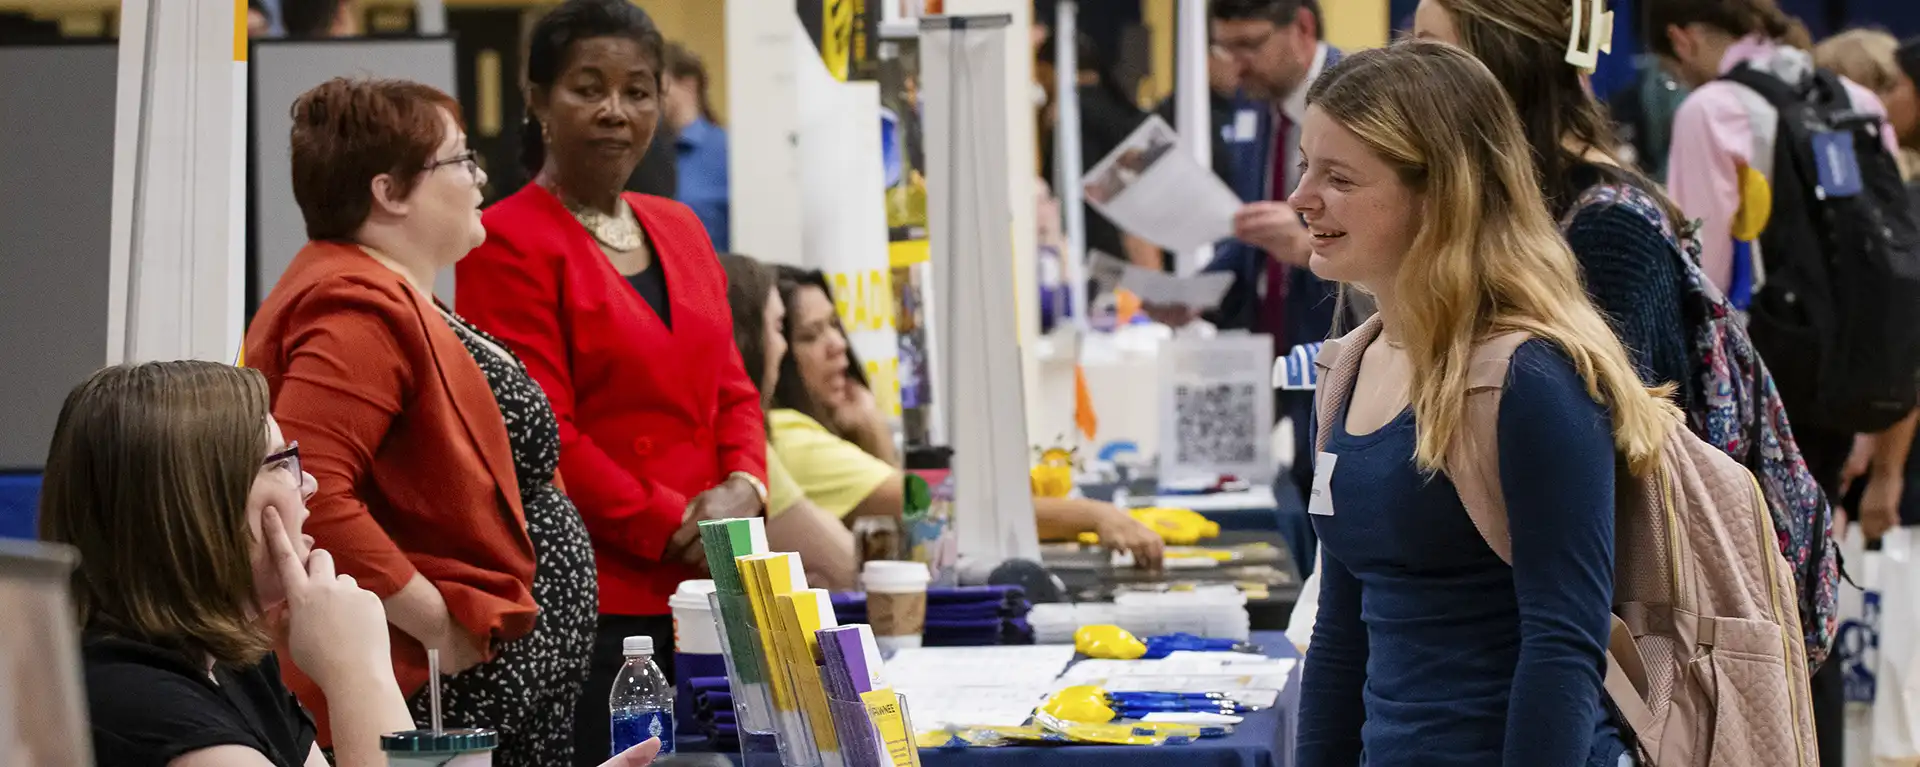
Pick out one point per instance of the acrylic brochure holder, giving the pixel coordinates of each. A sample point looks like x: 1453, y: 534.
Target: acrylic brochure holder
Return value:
x: 767, y: 736
x: 874, y: 731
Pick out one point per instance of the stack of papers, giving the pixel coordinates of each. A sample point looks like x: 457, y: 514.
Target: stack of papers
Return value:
x: 958, y: 686
x: 769, y: 577
x: 871, y: 724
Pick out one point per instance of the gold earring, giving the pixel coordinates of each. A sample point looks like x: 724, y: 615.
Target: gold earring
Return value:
x: 546, y: 136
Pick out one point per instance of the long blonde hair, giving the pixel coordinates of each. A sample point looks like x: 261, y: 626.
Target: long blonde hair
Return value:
x: 1487, y: 257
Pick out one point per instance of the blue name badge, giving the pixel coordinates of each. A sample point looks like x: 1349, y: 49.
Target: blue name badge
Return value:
x: 1839, y: 166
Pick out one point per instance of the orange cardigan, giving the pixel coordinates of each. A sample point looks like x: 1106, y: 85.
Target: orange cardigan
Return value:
x: 398, y: 425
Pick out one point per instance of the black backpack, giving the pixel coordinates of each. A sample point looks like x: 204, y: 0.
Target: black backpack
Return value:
x: 1838, y: 318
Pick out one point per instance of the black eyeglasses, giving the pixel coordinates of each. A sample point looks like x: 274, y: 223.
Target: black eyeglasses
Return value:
x: 1243, y: 48
x: 288, y: 459
x: 469, y: 158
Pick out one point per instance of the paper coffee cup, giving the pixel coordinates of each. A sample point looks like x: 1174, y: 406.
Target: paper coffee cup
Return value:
x: 694, y: 632
x: 896, y: 602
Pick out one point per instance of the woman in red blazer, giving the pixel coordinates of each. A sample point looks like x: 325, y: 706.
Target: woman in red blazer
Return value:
x: 619, y: 306
x: 434, y: 451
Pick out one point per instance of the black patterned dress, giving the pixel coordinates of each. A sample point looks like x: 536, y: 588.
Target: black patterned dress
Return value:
x: 528, y: 692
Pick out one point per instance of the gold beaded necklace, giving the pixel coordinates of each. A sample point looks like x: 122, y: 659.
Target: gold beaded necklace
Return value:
x: 619, y: 231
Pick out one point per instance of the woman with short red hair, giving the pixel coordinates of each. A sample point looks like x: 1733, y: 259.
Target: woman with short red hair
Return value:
x: 436, y: 454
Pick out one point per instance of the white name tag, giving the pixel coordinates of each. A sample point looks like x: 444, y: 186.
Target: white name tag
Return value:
x: 1245, y: 124
x: 1321, y: 502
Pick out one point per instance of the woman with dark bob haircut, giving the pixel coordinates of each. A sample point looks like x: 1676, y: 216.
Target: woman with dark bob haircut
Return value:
x: 187, y: 506
x: 436, y: 453
x: 619, y: 306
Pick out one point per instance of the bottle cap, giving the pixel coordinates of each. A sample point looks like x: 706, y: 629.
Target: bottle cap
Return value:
x: 637, y: 646
x: 448, y: 742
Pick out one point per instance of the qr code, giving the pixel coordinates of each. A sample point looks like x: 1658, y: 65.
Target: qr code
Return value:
x: 1215, y: 423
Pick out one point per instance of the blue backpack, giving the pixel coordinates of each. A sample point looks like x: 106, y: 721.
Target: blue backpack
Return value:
x: 1740, y: 412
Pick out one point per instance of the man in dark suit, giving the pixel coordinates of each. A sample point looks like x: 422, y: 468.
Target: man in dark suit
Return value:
x: 1277, y: 52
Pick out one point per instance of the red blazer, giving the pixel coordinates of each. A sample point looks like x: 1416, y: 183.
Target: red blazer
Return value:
x: 650, y: 416
x: 399, y: 427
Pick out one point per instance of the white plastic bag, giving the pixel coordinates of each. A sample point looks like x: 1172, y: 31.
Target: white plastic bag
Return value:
x: 1306, y: 608
x: 1896, y: 688
x: 1879, y: 647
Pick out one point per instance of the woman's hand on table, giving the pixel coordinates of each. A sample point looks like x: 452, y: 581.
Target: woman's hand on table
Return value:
x: 1119, y: 531
x: 731, y: 499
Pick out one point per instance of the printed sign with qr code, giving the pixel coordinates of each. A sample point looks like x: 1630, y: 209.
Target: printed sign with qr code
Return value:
x: 1216, y: 408
x: 1215, y: 423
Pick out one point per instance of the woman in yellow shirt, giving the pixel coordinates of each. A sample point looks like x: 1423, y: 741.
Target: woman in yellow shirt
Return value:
x: 837, y: 445
x: 794, y: 523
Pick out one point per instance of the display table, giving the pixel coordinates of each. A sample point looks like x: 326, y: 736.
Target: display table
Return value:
x: 1265, y: 739
x: 1251, y: 509
x: 1088, y: 577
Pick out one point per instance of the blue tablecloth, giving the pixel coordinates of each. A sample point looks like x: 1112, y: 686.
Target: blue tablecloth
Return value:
x: 1265, y: 739
x: 19, y: 504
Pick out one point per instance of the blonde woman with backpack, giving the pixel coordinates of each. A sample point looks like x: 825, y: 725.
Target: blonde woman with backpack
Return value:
x: 1479, y: 437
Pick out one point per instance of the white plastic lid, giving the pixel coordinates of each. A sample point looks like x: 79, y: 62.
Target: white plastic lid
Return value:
x: 684, y: 601
x: 641, y: 645
x: 700, y: 588
x: 892, y: 574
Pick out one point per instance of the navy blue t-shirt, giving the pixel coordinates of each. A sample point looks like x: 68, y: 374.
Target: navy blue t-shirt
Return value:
x: 1428, y: 649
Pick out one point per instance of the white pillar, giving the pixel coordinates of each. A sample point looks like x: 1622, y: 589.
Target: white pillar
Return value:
x: 1021, y: 162
x: 1067, y: 155
x: 179, y: 182
x: 763, y: 141
x: 1192, y: 117
x: 978, y: 385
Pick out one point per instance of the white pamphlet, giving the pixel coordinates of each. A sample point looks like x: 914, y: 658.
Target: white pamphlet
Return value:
x: 1164, y: 196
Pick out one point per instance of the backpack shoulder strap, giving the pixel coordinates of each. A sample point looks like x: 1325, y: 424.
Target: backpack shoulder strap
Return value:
x: 1473, y: 463
x: 1473, y: 457
x: 1339, y: 364
x: 1776, y: 91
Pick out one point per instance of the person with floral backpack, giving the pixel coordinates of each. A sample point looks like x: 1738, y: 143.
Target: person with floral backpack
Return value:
x: 1642, y: 271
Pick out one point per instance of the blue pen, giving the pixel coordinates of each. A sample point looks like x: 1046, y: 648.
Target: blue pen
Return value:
x: 1150, y: 697
x: 1168, y: 644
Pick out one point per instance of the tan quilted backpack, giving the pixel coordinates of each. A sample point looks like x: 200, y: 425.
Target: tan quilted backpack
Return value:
x: 1706, y: 665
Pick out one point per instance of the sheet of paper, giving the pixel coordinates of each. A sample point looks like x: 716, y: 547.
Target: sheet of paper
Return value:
x: 1215, y: 401
x: 978, y: 666
x: 938, y: 706
x: 976, y: 685
x: 1154, y: 192
x: 1201, y: 292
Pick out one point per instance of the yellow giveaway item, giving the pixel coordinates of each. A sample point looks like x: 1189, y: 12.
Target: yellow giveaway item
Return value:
x: 1052, y: 475
x: 1108, y: 642
x: 1083, y: 704
x: 1178, y: 527
x: 1756, y: 205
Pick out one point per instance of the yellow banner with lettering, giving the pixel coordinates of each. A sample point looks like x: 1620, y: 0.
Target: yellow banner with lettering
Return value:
x: 836, y: 37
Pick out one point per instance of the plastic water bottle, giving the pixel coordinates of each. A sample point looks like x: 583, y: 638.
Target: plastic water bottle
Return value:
x: 641, y: 705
